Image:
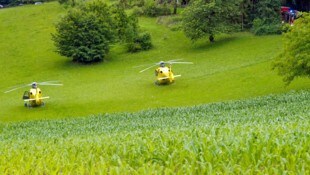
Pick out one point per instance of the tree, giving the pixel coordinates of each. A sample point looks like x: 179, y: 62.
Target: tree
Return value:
x: 267, y: 18
x: 206, y: 18
x: 127, y: 26
x: 294, y: 60
x: 84, y: 34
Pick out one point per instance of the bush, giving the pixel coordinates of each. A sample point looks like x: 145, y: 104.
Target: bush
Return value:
x: 262, y: 27
x: 140, y: 42
x: 138, y: 3
x: 85, y: 33
x: 137, y: 11
x: 153, y: 10
x: 126, y: 26
x: 285, y: 27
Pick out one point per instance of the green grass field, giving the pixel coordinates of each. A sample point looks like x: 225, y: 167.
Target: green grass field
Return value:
x: 237, y: 66
x: 266, y: 135
x: 229, y: 113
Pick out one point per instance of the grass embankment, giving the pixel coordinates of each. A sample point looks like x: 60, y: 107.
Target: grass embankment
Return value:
x: 268, y: 135
x: 234, y: 67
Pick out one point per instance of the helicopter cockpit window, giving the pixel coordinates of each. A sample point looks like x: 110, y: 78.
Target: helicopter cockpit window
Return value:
x: 26, y: 95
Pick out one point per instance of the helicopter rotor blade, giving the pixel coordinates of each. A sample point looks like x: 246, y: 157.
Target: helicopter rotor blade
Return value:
x: 176, y: 76
x: 18, y: 87
x: 46, y: 83
x: 142, y: 65
x: 53, y: 81
x: 162, y: 78
x: 49, y: 84
x: 173, y: 62
x: 32, y: 99
x: 155, y: 63
x: 148, y: 68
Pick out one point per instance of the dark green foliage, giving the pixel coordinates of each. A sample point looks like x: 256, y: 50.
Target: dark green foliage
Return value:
x: 294, y: 61
x: 140, y: 42
x: 138, y: 11
x: 131, y: 3
x: 127, y: 26
x: 127, y: 31
x: 62, y: 1
x: 206, y: 19
x: 246, y: 10
x: 263, y: 27
x: 85, y: 33
x: 267, y: 18
x: 153, y: 10
x: 71, y: 3
x: 11, y: 3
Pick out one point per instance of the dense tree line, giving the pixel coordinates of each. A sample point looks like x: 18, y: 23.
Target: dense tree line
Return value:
x: 17, y: 2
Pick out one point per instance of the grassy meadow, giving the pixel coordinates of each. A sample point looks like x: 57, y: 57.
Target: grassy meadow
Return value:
x: 237, y: 66
x: 229, y: 113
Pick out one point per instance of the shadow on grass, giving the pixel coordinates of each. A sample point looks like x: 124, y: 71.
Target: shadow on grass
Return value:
x: 205, y: 44
x: 68, y: 64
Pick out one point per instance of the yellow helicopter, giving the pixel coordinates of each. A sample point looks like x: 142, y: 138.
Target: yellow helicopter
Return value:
x: 34, y: 97
x: 164, y: 74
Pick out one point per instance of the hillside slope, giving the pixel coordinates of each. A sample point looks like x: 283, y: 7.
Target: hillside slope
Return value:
x: 234, y: 67
x: 267, y: 135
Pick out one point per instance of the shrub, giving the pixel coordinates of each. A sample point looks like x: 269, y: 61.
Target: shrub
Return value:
x: 85, y: 33
x: 138, y: 3
x: 140, y: 42
x: 137, y: 11
x: 153, y: 10
x: 262, y: 27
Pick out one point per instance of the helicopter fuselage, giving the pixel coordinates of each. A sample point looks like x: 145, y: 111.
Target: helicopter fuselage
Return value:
x: 164, y: 75
x: 33, y: 98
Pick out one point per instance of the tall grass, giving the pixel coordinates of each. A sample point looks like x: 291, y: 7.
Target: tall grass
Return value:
x: 267, y: 135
